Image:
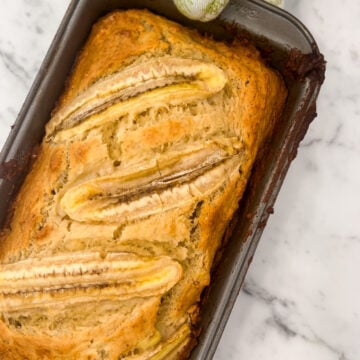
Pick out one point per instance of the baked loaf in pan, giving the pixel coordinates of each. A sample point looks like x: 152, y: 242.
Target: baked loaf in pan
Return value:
x: 142, y: 167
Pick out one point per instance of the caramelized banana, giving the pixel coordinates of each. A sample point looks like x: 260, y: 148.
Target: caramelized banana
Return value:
x: 103, y: 199
x: 81, y: 277
x: 163, y: 81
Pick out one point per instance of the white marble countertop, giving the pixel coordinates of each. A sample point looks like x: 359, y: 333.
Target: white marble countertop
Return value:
x: 301, y: 298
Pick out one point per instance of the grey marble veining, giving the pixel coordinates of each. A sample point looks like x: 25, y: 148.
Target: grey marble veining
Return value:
x: 301, y: 299
x: 27, y: 28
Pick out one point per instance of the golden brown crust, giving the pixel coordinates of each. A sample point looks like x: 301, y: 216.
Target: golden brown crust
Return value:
x: 144, y: 162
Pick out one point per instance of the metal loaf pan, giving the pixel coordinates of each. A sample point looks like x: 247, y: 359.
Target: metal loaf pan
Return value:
x: 288, y: 47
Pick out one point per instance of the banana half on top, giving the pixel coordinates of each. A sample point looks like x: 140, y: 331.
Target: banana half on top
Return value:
x: 142, y: 167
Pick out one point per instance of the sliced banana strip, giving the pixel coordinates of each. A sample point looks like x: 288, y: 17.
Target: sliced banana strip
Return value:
x: 82, y: 277
x: 162, y: 81
x: 123, y: 198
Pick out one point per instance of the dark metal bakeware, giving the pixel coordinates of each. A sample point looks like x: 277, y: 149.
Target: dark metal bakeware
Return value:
x: 287, y: 45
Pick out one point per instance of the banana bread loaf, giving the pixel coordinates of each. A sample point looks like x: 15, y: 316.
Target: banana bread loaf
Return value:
x: 142, y: 167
